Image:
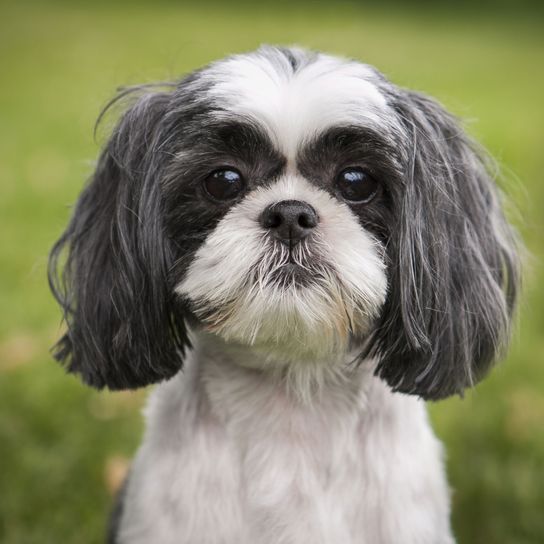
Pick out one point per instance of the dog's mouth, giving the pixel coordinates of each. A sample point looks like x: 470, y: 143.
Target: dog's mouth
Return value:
x: 299, y: 267
x: 291, y: 274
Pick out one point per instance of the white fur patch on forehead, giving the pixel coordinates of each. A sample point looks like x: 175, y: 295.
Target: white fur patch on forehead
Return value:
x: 295, y: 104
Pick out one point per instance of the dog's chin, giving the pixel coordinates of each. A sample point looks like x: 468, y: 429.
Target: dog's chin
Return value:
x: 292, y: 276
x: 289, y: 319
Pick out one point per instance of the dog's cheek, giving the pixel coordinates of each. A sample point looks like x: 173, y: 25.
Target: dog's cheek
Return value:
x: 359, y: 258
x: 223, y: 262
x: 356, y: 253
x: 188, y: 221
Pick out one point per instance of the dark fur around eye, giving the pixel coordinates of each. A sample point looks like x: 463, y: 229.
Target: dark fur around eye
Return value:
x: 353, y: 147
x: 189, y: 214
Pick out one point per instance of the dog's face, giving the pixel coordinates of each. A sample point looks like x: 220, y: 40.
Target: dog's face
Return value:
x: 284, y: 179
x: 296, y: 203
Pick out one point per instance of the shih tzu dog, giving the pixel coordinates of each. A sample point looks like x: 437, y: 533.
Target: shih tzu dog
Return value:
x: 300, y: 252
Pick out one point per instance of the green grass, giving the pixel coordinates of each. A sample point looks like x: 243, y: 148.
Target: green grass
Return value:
x: 61, y: 444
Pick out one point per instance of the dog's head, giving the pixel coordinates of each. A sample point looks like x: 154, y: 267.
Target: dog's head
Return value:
x: 294, y: 202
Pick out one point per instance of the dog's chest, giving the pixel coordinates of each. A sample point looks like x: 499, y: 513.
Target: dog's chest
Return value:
x: 299, y: 475
x: 250, y: 465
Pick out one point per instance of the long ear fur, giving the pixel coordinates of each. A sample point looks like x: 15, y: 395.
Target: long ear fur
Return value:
x: 125, y: 329
x: 454, y: 270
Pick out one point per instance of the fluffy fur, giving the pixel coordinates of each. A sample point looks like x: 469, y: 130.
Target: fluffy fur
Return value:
x: 288, y: 423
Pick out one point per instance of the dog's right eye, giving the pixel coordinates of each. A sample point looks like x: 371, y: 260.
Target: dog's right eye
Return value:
x: 224, y: 184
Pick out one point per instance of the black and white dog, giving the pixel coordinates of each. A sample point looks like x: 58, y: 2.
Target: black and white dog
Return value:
x: 300, y: 251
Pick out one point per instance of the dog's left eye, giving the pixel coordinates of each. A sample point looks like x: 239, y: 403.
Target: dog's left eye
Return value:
x: 355, y: 185
x: 224, y: 184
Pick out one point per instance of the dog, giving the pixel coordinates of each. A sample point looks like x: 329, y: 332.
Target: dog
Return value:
x: 301, y: 253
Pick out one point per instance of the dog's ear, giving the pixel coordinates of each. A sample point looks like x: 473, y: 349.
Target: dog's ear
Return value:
x: 454, y: 268
x: 125, y: 328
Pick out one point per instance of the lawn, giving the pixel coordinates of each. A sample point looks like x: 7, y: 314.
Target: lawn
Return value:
x: 63, y: 447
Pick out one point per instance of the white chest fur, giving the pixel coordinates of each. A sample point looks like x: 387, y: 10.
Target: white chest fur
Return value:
x: 231, y: 457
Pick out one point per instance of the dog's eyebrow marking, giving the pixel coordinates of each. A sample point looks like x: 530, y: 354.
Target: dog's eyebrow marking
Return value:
x: 240, y: 137
x: 241, y: 140
x: 347, y: 138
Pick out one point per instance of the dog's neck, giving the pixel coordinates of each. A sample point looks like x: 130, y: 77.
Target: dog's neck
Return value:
x: 238, y: 383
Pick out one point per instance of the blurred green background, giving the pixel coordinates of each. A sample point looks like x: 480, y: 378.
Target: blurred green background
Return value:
x: 63, y: 447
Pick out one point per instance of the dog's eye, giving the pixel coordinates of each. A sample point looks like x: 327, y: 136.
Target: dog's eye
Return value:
x: 355, y: 185
x: 224, y: 184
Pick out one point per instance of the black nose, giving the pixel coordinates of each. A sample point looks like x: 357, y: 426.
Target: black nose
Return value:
x: 289, y: 220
